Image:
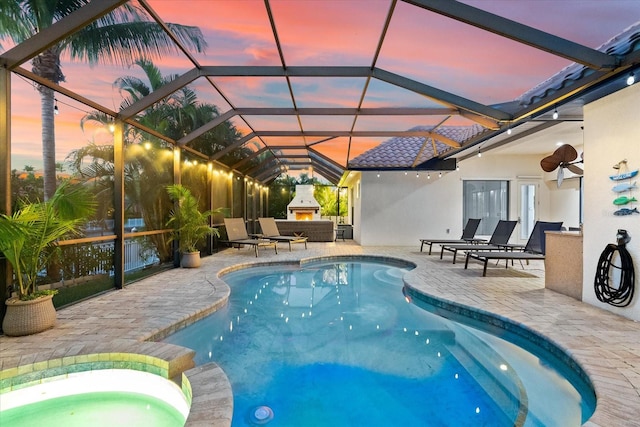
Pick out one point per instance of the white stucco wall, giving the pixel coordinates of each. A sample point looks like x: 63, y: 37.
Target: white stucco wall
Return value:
x: 612, y: 133
x: 397, y: 209
x: 565, y: 202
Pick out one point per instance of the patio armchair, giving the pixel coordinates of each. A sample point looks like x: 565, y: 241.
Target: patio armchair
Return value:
x: 237, y: 236
x: 498, y: 242
x: 467, y: 235
x: 270, y: 231
x: 533, y: 250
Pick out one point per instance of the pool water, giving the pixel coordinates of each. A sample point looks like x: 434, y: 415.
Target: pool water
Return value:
x: 96, y: 398
x: 106, y: 409
x: 336, y: 344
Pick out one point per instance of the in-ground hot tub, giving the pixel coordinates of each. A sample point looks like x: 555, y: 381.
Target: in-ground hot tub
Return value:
x: 143, y: 385
x: 105, y: 397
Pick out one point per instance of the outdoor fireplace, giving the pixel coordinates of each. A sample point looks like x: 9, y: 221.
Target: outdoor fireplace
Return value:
x: 303, y: 207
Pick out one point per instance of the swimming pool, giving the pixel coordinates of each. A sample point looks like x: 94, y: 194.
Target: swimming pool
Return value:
x: 336, y: 344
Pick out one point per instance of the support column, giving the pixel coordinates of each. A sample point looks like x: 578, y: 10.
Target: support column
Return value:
x: 177, y: 179
x: 118, y: 204
x: 5, y: 176
x: 210, y: 239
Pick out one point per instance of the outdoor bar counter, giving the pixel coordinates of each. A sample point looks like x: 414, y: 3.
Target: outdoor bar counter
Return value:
x: 563, y: 263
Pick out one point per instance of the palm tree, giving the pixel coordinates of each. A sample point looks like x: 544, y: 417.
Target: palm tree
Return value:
x: 120, y: 37
x: 180, y: 113
x: 146, y: 173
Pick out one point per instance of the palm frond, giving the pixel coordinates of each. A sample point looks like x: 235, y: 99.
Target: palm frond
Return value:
x: 124, y: 43
x: 153, y: 73
x: 13, y: 22
x: 133, y: 86
x: 95, y: 117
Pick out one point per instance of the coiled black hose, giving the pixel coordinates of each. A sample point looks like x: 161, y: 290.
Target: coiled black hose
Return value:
x: 621, y: 295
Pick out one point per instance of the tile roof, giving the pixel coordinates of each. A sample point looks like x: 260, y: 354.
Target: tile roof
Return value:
x: 405, y: 151
x: 622, y: 44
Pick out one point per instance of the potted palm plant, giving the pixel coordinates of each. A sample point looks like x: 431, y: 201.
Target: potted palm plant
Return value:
x: 190, y: 225
x: 28, y: 240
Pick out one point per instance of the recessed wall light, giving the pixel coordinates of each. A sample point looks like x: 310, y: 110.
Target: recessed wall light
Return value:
x: 631, y: 79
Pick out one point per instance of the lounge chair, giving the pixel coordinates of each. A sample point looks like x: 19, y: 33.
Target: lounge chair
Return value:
x: 497, y: 242
x: 467, y: 235
x: 270, y: 231
x: 533, y: 250
x: 237, y: 235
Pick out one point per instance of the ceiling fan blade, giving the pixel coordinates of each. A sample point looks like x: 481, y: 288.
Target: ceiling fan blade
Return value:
x: 566, y: 153
x: 575, y: 169
x: 560, y: 176
x: 549, y: 163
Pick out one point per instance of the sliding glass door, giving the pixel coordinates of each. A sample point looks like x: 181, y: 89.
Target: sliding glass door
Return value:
x: 487, y: 200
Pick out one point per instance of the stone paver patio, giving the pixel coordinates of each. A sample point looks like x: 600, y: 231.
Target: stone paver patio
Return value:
x: 607, y: 346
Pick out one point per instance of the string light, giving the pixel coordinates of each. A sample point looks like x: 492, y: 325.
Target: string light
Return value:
x: 35, y: 86
x: 440, y: 175
x: 555, y: 114
x: 55, y: 107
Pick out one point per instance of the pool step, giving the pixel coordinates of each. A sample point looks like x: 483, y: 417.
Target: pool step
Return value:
x: 493, y: 375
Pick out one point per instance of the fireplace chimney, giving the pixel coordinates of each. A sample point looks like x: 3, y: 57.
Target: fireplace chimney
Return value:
x: 303, y: 207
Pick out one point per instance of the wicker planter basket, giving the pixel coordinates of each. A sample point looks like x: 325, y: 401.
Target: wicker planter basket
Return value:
x: 28, y: 317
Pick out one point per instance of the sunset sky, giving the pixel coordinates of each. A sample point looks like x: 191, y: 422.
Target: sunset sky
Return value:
x: 419, y: 45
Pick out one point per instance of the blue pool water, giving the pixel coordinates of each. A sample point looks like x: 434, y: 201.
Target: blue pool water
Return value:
x: 336, y: 344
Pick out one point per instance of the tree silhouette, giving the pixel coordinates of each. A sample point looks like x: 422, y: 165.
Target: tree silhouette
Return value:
x: 119, y: 37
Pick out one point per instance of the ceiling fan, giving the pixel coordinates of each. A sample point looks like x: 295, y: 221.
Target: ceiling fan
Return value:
x: 564, y: 157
